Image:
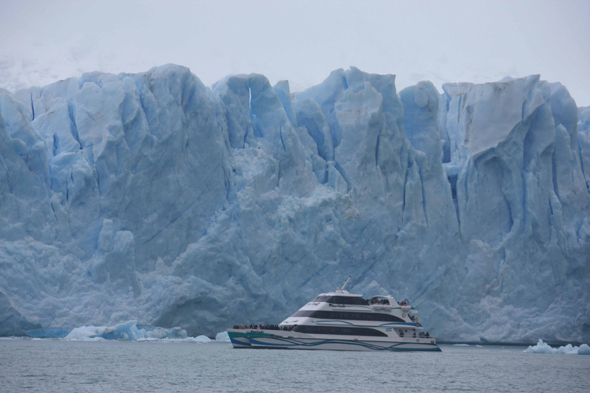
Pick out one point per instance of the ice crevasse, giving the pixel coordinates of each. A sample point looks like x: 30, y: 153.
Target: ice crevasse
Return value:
x: 152, y: 197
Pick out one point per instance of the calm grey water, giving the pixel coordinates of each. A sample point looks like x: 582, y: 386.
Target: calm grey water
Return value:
x: 110, y: 366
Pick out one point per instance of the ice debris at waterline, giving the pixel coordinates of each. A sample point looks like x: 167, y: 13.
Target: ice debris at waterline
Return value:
x: 222, y: 336
x: 152, y: 197
x: 543, y: 347
x: 49, y: 333
x: 126, y: 331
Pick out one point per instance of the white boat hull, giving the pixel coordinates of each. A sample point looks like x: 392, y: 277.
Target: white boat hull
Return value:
x: 288, y: 340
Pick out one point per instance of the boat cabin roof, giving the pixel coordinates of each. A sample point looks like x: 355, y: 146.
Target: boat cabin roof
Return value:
x: 343, y: 293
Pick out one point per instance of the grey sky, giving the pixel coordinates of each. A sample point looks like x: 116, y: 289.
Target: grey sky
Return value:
x: 441, y: 41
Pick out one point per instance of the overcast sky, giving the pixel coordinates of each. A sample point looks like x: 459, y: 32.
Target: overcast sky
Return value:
x: 441, y: 41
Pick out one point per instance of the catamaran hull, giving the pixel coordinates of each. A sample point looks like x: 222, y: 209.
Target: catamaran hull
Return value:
x: 265, y: 341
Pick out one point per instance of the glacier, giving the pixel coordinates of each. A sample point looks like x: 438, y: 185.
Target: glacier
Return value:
x: 150, y: 197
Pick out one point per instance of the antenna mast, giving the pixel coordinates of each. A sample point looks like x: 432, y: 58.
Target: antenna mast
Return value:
x: 345, y: 283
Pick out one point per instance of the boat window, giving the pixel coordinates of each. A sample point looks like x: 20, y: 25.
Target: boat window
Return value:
x: 342, y: 331
x: 321, y: 298
x: 347, y: 315
x: 359, y: 301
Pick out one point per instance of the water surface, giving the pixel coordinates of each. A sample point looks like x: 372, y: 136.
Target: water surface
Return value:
x: 52, y: 365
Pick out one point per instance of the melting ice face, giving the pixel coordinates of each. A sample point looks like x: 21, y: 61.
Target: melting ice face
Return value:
x: 149, y: 195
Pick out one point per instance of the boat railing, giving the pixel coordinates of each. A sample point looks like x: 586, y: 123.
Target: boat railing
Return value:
x: 381, y: 306
x: 263, y: 327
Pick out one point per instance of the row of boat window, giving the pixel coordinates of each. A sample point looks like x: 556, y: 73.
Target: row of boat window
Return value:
x: 358, y: 301
x: 353, y: 316
x: 341, y: 331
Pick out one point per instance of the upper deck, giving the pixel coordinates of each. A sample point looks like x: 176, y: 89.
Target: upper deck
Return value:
x: 343, y: 308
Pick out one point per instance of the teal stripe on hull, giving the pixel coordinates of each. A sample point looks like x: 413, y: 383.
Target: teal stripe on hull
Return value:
x: 240, y: 343
x: 296, y: 344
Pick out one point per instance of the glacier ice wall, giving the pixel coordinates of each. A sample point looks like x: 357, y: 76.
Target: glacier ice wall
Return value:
x: 151, y: 197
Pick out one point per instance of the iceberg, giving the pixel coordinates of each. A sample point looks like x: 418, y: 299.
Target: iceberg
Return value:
x: 86, y: 332
x: 222, y: 337
x: 545, y: 348
x: 128, y: 331
x: 150, y: 197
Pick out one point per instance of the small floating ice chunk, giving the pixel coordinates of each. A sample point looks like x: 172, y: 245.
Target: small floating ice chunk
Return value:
x: 124, y: 331
x: 461, y: 345
x: 569, y: 349
x: 162, y: 333
x: 222, y: 336
x: 85, y: 332
x: 198, y: 339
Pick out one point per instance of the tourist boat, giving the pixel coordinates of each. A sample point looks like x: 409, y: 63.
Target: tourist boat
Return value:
x: 342, y: 321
